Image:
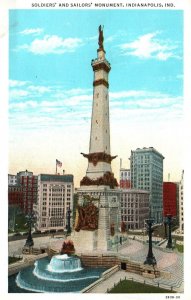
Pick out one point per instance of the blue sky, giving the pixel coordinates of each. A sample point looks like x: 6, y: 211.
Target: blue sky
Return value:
x: 51, y: 85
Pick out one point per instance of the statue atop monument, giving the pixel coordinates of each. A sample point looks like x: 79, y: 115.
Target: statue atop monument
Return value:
x: 101, y: 38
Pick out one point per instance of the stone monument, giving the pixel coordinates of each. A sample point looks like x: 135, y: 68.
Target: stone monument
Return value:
x: 97, y: 223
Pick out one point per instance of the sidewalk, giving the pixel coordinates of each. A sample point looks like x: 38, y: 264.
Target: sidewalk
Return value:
x: 168, y: 262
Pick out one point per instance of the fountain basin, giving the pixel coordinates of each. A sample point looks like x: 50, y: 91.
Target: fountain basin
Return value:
x: 39, y: 278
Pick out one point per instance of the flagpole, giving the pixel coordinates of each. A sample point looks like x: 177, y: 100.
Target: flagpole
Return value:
x: 58, y: 163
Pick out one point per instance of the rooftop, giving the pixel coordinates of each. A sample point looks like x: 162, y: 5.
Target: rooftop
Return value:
x: 131, y: 191
x: 58, y: 178
x: 149, y: 149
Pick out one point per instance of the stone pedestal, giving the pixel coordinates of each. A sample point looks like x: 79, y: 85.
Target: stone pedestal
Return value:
x: 107, y: 201
x: 103, y: 229
x: 84, y: 240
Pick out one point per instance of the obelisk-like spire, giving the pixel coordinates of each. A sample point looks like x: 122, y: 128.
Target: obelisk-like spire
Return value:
x: 99, y: 157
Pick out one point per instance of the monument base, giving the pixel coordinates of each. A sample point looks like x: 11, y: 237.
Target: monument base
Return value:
x: 106, y: 200
x: 84, y: 240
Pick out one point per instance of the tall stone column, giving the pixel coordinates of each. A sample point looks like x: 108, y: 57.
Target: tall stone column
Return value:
x: 99, y: 157
x: 98, y: 187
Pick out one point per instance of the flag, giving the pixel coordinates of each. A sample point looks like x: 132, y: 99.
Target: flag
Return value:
x: 58, y: 163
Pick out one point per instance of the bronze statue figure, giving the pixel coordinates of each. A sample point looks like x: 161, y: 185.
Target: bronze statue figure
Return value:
x: 86, y: 217
x: 101, y: 38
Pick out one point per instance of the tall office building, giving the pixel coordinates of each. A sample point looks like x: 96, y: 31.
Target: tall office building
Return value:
x: 55, y: 197
x: 147, y: 174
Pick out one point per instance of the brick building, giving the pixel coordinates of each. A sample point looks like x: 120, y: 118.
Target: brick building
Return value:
x: 125, y: 178
x: 15, y: 196
x: 28, y: 183
x: 169, y: 199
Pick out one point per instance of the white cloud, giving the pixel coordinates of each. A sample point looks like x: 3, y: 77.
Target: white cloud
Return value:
x: 74, y: 106
x: 149, y: 46
x: 124, y: 94
x: 20, y: 89
x: 23, y: 105
x: 77, y: 91
x: 16, y: 83
x: 39, y: 89
x: 33, y: 31
x: 148, y: 111
x: 18, y: 93
x: 75, y: 100
x: 92, y: 38
x: 133, y: 93
x: 146, y: 115
x: 53, y: 44
x: 133, y: 105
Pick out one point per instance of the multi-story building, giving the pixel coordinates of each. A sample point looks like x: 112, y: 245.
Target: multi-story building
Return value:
x: 22, y: 190
x: 15, y: 204
x: 125, y: 178
x: 55, y: 197
x: 15, y: 196
x: 177, y: 202
x: 169, y: 199
x: 28, y: 183
x: 147, y: 174
x: 134, y: 208
x: 181, y: 204
x: 12, y: 179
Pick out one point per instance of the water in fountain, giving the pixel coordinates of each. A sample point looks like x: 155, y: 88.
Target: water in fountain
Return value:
x: 64, y: 263
x: 62, y: 273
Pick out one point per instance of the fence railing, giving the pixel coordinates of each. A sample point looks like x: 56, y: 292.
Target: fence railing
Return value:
x: 155, y: 284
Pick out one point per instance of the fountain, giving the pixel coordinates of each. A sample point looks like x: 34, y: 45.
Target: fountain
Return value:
x: 64, y: 263
x: 61, y: 273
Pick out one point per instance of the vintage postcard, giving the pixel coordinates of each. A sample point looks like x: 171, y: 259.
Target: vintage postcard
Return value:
x: 96, y: 134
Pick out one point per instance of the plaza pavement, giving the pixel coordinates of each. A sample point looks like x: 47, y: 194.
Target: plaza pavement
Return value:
x: 167, y: 261
x: 15, y: 247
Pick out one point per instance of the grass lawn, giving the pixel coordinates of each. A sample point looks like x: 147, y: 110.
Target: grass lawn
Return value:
x: 12, y: 260
x: 128, y: 286
x: 180, y: 248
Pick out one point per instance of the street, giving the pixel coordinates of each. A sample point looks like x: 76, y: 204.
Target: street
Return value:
x: 15, y: 247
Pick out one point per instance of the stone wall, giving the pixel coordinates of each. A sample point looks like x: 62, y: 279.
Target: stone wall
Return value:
x: 99, y: 260
x: 26, y: 262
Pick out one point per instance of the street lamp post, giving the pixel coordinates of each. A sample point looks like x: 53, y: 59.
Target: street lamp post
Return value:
x: 150, y: 260
x: 169, y: 222
x: 29, y: 241
x: 165, y: 228
x: 68, y: 216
